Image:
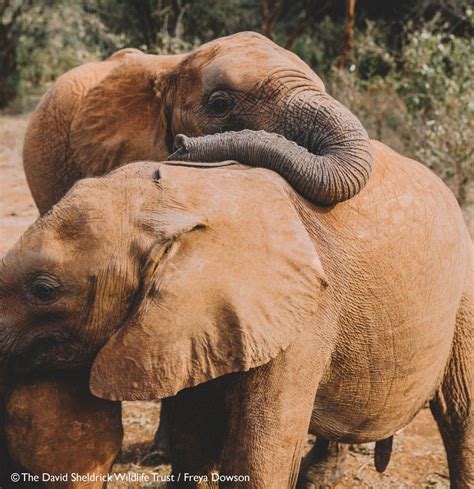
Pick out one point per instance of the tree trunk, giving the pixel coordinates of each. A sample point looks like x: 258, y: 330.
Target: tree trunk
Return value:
x: 270, y: 15
x: 348, y: 39
x: 144, y: 11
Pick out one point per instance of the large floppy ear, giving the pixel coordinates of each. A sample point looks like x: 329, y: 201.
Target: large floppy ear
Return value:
x: 225, y: 288
x: 124, y: 118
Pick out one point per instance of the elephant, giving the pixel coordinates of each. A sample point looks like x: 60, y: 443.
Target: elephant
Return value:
x: 256, y: 314
x: 131, y: 106
x: 54, y: 427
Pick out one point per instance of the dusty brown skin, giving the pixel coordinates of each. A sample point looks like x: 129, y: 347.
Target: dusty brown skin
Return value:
x: 130, y: 107
x: 365, y: 314
x: 86, y: 414
x: 88, y: 431
x: 54, y: 425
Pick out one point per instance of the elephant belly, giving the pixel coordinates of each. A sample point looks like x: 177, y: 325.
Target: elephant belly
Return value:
x: 376, y: 385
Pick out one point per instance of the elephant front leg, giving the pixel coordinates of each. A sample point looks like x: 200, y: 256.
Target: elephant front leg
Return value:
x: 55, y: 426
x: 269, y: 411
x: 195, y: 424
x: 4, y: 458
x: 161, y: 439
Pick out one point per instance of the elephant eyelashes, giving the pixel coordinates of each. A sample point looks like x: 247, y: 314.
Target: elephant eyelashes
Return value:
x: 43, y: 289
x: 219, y: 103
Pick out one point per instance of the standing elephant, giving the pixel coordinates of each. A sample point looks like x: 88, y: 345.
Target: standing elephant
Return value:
x: 104, y: 114
x: 260, y: 314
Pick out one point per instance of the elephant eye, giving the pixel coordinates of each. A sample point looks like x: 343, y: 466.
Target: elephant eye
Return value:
x: 43, y: 288
x: 219, y: 103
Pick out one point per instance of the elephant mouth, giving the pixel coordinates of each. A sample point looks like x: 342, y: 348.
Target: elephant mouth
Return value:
x: 47, y: 352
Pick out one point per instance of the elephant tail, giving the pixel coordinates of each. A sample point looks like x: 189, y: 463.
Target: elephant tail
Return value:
x: 383, y: 452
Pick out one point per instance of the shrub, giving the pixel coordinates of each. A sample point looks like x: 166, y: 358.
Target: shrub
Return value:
x: 420, y: 101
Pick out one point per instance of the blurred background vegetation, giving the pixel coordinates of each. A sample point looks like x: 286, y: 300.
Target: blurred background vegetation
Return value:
x: 405, y: 67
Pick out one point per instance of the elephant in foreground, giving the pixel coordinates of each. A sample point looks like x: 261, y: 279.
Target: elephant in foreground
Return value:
x: 255, y: 313
x: 131, y: 106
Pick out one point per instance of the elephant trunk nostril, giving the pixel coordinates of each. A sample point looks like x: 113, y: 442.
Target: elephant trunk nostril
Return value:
x: 180, y: 142
x: 181, y: 153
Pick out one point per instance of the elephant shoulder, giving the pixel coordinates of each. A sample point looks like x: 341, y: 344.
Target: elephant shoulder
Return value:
x: 65, y: 95
x: 63, y: 99
x: 123, y: 53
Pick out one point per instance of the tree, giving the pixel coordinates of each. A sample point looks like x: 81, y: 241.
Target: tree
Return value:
x: 11, y: 26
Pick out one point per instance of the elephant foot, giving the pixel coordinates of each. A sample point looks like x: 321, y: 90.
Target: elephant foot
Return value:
x: 323, y: 466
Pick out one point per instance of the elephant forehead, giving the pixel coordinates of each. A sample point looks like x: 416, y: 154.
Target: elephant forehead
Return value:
x: 37, y: 248
x: 202, y: 184
x: 235, y: 194
x: 237, y: 72
x: 242, y: 59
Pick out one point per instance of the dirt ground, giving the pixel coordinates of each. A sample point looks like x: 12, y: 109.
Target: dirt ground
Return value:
x: 418, y: 459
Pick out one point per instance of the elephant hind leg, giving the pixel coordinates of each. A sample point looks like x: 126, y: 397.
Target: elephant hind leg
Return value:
x: 453, y: 406
x: 323, y: 465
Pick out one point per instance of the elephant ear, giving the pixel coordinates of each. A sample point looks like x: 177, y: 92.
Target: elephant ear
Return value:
x: 123, y: 118
x: 225, y: 288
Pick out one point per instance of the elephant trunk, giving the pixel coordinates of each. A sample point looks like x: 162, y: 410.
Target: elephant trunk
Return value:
x: 321, y: 149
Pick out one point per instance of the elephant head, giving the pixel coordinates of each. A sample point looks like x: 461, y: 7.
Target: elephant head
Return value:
x: 173, y: 276
x: 134, y: 106
x: 247, y: 83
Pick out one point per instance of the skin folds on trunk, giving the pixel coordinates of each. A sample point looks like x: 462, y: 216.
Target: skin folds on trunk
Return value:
x: 327, y: 164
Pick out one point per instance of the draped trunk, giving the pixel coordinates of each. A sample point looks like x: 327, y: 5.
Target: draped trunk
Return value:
x: 317, y: 145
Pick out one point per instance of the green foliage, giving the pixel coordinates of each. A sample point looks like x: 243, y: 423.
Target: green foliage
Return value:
x: 57, y: 39
x: 436, y: 83
x: 419, y: 100
x: 440, y: 66
x: 319, y: 46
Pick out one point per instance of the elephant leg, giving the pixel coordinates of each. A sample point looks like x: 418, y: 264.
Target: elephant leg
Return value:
x: 269, y: 411
x: 55, y: 426
x: 453, y: 405
x: 161, y: 442
x: 195, y: 425
x: 323, y: 465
